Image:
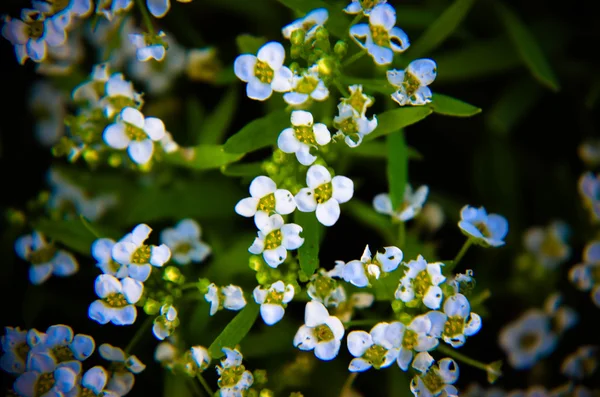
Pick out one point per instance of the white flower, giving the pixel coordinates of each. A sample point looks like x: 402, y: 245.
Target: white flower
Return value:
x: 118, y: 95
x: 158, y: 8
x: 32, y: 34
x: 275, y: 238
x: 265, y: 199
x: 381, y: 37
x: 166, y: 353
x: 354, y: 127
x: 165, y: 324
x: 305, y: 87
x: 548, y: 245
x: 358, y: 272
x: 13, y: 343
x: 373, y: 349
x: 302, y: 136
x: 136, y: 133
x: 460, y: 321
x: 487, y: 230
x: 581, y: 363
x: 149, y: 47
x: 273, y: 301
x: 528, y: 339
x: 201, y: 357
x: 357, y: 100
x: 264, y: 72
x: 184, y: 242
x: 91, y: 90
x: 168, y: 143
x: 48, y: 107
x: 310, y: 23
x: 324, y: 194
x: 321, y: 332
x: 45, y: 258
x: 421, y: 281
x: 234, y: 379
x: 122, y: 369
x: 562, y: 317
x: 364, y: 6
x: 408, y: 209
x: 230, y: 297
x: 58, y: 344
x: 323, y: 288
x: 48, y: 380
x: 202, y: 64
x: 66, y: 9
x: 139, y: 258
x: 434, y: 380
x: 102, y: 253
x: 117, y: 299
x: 112, y: 8
x: 412, y: 82
x: 432, y: 216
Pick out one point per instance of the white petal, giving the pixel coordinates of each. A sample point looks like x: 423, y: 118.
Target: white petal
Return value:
x: 328, y: 212
x: 115, y: 137
x: 404, y: 358
x: 141, y: 151
x: 383, y: 204
x: 158, y: 8
x: 287, y: 141
x: 39, y: 273
x: 243, y: 67
x: 473, y: 325
x: 315, y: 314
x: 139, y: 272
x: 303, y: 155
x: 359, y: 365
x: 262, y: 186
x: 275, y: 257
x: 64, y: 264
x: 327, y: 350
x: 322, y: 134
x: 282, y: 80
x: 284, y: 202
x: 457, y: 305
x: 424, y: 70
x: 272, y: 53
x: 271, y: 313
x: 390, y: 259
x: 159, y: 255
x: 359, y: 342
x: 257, y: 90
x: 295, y: 98
x: 316, y: 176
x: 399, y: 40
x: 301, y: 117
x: 106, y: 284
x: 448, y: 370
x: 247, y: 207
x: 133, y: 116
x: 422, y: 362
x: 305, y: 338
x: 305, y: 200
x: 102, y: 249
x: 291, y: 239
x: 343, y: 188
x: 155, y: 128
x: 433, y: 297
x: 358, y: 31
x: 384, y: 15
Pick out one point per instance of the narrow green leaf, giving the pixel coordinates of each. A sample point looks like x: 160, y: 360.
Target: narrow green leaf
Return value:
x: 258, y: 133
x: 218, y: 121
x: 393, y: 120
x: 515, y: 101
x: 448, y: 106
x: 72, y: 233
x: 397, y: 169
x: 378, y: 150
x: 235, y: 331
x: 176, y: 385
x: 337, y: 23
x: 247, y: 169
x: 308, y: 253
x: 441, y: 28
x: 194, y: 116
x: 202, y: 157
x: 248, y: 44
x: 527, y: 47
x: 366, y: 215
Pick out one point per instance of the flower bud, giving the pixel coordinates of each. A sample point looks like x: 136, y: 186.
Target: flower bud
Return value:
x: 297, y: 37
x: 340, y: 48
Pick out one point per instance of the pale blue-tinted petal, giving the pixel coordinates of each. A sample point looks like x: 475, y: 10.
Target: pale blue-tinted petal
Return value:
x: 470, y: 229
x: 359, y: 31
x: 64, y: 264
x: 353, y: 8
x: 383, y: 15
x: 273, y: 54
x: 64, y: 379
x: 156, y: 52
x: 106, y: 284
x: 423, y: 69
x: 473, y: 324
x: 381, y: 55
x: 95, y: 379
x: 40, y: 273
x: 160, y: 255
x: 404, y: 358
x: 328, y: 212
x: 82, y: 346
x: 498, y: 226
x: 327, y: 350
x: 139, y: 272
x: 457, y: 305
x: 121, y: 383
x: 282, y: 80
x: 114, y: 135
x: 125, y: 315
x: 448, y: 370
x: 141, y: 151
x: 59, y: 335
x: 390, y: 259
x: 102, y: 249
x: 271, y: 313
x: 25, y: 384
x: 359, y: 342
x: 343, y: 188
x: 36, y: 49
x: 132, y: 289
x: 295, y: 98
x: 433, y: 297
x: 275, y: 257
x: 287, y: 141
x: 243, y: 67
x: 99, y: 312
x: 111, y: 353
x: 258, y: 90
x: 422, y: 362
x: 359, y: 365
x: 383, y: 204
x: 158, y: 8
x: 399, y: 41
x: 305, y: 339
x: 305, y: 200
x: 354, y: 273
x: 154, y: 128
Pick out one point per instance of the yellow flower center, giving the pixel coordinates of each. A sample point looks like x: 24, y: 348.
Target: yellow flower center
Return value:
x: 552, y: 246
x: 36, y: 29
x: 421, y: 283
x: 411, y: 83
x: 274, y: 297
x: 263, y: 72
x: 135, y: 133
x: 482, y: 227
x: 528, y: 341
x: 375, y: 355
x: 59, y: 5
x: 380, y: 36
x: 307, y: 85
x: 455, y: 325
x: 273, y: 239
x: 22, y: 350
x: 323, y: 193
x: 62, y: 353
x: 183, y: 248
x: 42, y: 255
x: 44, y: 383
x: 231, y: 376
x: 85, y: 392
x: 142, y: 255
x: 323, y: 333
x: 116, y: 300
x: 323, y: 286
x: 305, y: 134
x: 433, y: 381
x: 409, y: 341
x: 357, y: 100
x: 367, y: 4
x: 267, y: 203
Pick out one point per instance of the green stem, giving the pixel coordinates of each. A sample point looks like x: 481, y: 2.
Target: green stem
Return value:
x: 348, y: 384
x: 341, y: 89
x: 460, y: 254
x: 205, y: 385
x: 462, y: 358
x: 146, y: 17
x: 356, y: 19
x: 139, y: 334
x: 354, y: 58
x: 401, y: 234
x: 189, y: 286
x: 479, y: 299
x: 89, y: 227
x: 195, y: 387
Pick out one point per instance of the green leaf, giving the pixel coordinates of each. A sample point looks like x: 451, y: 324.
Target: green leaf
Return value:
x: 247, y: 169
x: 449, y: 106
x: 258, y: 133
x: 366, y: 215
x: 378, y: 150
x: 441, y: 28
x: 176, y: 385
x: 337, y: 23
x: 393, y: 120
x: 195, y: 116
x: 308, y: 253
x: 527, y: 47
x: 248, y: 44
x: 202, y: 157
x: 515, y: 101
x: 72, y: 233
x: 397, y: 169
x: 370, y: 85
x: 219, y: 120
x: 235, y: 331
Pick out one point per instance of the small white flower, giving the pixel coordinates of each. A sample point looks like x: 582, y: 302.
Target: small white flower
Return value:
x: 201, y: 357
x: 112, y: 8
x: 91, y: 90
x: 273, y: 301
x: 357, y: 100
x: 122, y: 369
x: 374, y: 349
x: 117, y: 299
x: 59, y: 344
x: 102, y: 253
x: 234, y: 379
x: 488, y: 230
x: 93, y: 382
x: 265, y: 200
x: 230, y: 297
x: 421, y: 281
x: 581, y: 363
x: 434, y: 380
x: 364, y: 6
x: 59, y: 379
x: 275, y: 238
x: 66, y: 9
x: 432, y: 216
x: 118, y: 95
x: 168, y: 143
x: 149, y: 47
x: 548, y: 245
x: 13, y: 343
x: 321, y: 332
x: 139, y: 258
x: 358, y: 272
x: 264, y: 72
x: 302, y: 136
x: 323, y: 288
x: 420, y: 335
x: 310, y: 23
x: 307, y: 86
x: 158, y: 8
x: 166, y: 353
x: 381, y: 37
x: 184, y: 242
x: 202, y: 64
x: 45, y: 258
x: 460, y: 321
x: 136, y: 133
x: 412, y: 82
x: 563, y: 317
x: 165, y: 324
x: 408, y: 209
x: 324, y: 194
x: 352, y: 126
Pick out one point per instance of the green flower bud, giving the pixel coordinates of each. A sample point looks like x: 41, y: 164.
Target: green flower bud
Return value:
x: 152, y: 307
x: 172, y: 274
x: 297, y: 37
x: 260, y: 377
x: 397, y: 306
x: 203, y: 284
x: 255, y: 263
x: 340, y: 48
x: 266, y: 393
x: 296, y: 52
x: 322, y: 34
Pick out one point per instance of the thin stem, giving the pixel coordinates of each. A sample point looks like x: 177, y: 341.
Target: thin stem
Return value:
x: 354, y: 58
x: 460, y: 254
x: 401, y: 234
x: 348, y: 384
x: 479, y: 299
x: 146, y: 17
x: 462, y: 358
x: 205, y: 385
x: 89, y: 227
x: 195, y: 387
x: 189, y: 286
x: 341, y: 89
x: 138, y: 334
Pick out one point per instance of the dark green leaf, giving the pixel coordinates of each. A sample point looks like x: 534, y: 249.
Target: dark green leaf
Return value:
x: 72, y: 233
x: 441, y: 28
x: 195, y: 116
x: 202, y: 157
x: 258, y: 133
x: 248, y: 44
x: 218, y: 121
x: 337, y: 23
x: 235, y: 331
x: 449, y: 106
x: 247, y: 169
x: 515, y: 101
x: 308, y: 253
x: 366, y: 215
x: 378, y: 150
x: 393, y: 120
x: 397, y: 169
x: 527, y: 47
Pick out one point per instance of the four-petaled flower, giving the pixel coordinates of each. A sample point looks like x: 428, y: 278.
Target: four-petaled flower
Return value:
x: 302, y: 136
x: 409, y: 208
x: 411, y: 83
x: 486, y: 230
x: 102, y: 253
x: 184, y: 242
x: 420, y: 335
x: 324, y: 194
x: 310, y: 23
x: 60, y: 345
x: 273, y: 301
x: 306, y: 86
x: 352, y: 125
x: 230, y: 297
x: 358, y: 272
x: 548, y: 245
x: 264, y: 72
x: 434, y: 380
x: 364, y: 6
x: 117, y: 300
x: 381, y: 37
x: 460, y: 321
x: 275, y: 238
x: 421, y: 281
x: 265, y: 199
x: 373, y: 349
x: 122, y: 369
x: 234, y: 379
x: 165, y: 324
x: 320, y: 332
